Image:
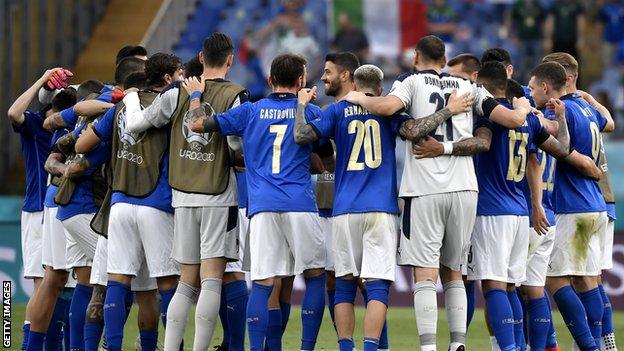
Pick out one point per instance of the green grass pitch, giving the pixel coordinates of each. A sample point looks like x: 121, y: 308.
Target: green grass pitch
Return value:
x: 402, y: 327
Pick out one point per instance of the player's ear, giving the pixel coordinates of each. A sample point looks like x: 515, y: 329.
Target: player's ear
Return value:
x: 443, y: 62
x: 230, y: 61
x: 270, y: 81
x: 201, y: 57
x: 509, y: 70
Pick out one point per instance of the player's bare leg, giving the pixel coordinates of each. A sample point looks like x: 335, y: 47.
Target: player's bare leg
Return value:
x: 42, y: 304
x: 456, y: 304
x: 426, y: 306
x: 185, y: 296
x: 207, y: 309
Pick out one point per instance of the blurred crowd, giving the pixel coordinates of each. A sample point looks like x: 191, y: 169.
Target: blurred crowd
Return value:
x: 592, y: 31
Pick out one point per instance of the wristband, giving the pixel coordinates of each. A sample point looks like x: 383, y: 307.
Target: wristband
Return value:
x: 196, y: 95
x: 448, y: 147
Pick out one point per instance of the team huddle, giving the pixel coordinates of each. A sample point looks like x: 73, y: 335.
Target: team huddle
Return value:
x: 167, y: 186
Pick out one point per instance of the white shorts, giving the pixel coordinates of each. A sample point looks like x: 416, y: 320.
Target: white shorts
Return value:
x: 540, y: 249
x: 78, y: 230
x: 99, y: 276
x: 326, y: 228
x: 500, y: 247
x: 243, y: 230
x: 32, y: 227
x: 205, y: 232
x: 578, y: 244
x: 140, y: 234
x: 284, y: 244
x: 58, y: 249
x: 607, y: 248
x: 436, y: 229
x: 365, y: 245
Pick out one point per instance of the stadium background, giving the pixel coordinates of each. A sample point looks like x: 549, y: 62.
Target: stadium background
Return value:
x: 84, y: 36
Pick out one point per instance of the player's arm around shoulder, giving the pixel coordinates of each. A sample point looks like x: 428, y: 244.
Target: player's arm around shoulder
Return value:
x: 157, y: 114
x: 304, y: 132
x: 386, y: 106
x: 609, y: 126
x: 507, y: 118
x: 558, y: 147
x: 416, y: 129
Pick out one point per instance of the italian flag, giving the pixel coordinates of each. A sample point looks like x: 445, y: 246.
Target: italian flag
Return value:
x: 391, y: 25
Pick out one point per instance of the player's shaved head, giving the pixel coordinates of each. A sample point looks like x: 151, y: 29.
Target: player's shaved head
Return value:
x: 470, y: 62
x: 131, y: 51
x: 216, y: 50
x: 465, y: 66
x: 88, y: 87
x: 514, y: 90
x: 552, y: 73
x: 566, y: 60
x: 63, y: 99
x: 368, y: 78
x: 431, y: 48
x: 126, y: 67
x: 496, y: 54
x: 287, y: 69
x: 193, y: 68
x: 136, y: 80
x: 493, y: 76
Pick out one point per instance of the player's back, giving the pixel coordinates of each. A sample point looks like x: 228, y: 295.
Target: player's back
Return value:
x: 365, y: 159
x: 427, y: 94
x: 573, y: 192
x: 277, y: 169
x: 501, y: 168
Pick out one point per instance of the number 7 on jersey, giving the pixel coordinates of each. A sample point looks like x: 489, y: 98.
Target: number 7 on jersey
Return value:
x: 279, y: 130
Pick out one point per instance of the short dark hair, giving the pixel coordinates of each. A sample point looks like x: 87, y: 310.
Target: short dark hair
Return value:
x: 193, y: 68
x: 127, y: 66
x: 130, y: 51
x: 88, y: 87
x: 493, y: 75
x: 496, y: 54
x: 552, y: 73
x: 216, y: 49
x: 158, y: 65
x: 286, y: 69
x: 64, y: 99
x: 431, y: 47
x: 514, y: 90
x: 347, y: 61
x: 471, y: 62
x: 136, y: 80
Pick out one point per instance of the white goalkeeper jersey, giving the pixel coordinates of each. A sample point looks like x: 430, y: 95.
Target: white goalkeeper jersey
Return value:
x: 422, y: 94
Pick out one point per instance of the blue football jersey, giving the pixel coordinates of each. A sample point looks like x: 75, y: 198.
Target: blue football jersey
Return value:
x: 241, y: 186
x: 365, y: 159
x: 35, y: 143
x: 277, y: 169
x: 573, y: 192
x: 547, y: 163
x: 501, y: 168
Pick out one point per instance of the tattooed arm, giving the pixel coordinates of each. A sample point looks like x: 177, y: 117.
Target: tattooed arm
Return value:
x: 54, y: 122
x: 55, y: 164
x: 199, y: 121
x: 416, y: 129
x: 66, y: 144
x: 559, y: 148
x: 429, y: 147
x: 77, y: 168
x: 304, y: 132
